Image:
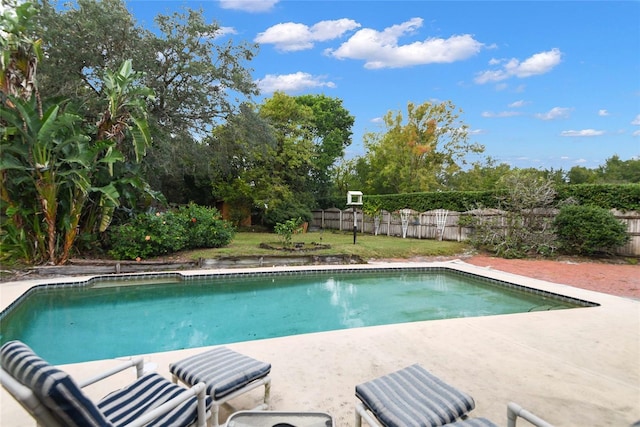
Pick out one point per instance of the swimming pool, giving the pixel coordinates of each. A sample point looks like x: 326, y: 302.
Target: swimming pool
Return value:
x: 102, y: 319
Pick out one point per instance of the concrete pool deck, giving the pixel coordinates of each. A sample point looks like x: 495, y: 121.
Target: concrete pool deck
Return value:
x: 578, y: 367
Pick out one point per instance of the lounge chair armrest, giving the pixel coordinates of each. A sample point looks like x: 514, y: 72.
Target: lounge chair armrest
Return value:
x: 197, y: 390
x: 514, y: 411
x: 362, y: 413
x: 138, y: 362
x: 27, y: 399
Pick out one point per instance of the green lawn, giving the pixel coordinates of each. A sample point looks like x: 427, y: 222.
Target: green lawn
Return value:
x: 367, y: 246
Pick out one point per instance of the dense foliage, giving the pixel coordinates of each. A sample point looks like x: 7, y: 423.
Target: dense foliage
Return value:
x: 588, y: 230
x: 624, y: 197
x: 274, y: 159
x: 188, y: 227
x: 610, y: 196
x: 123, y: 119
x: 613, y: 171
x: 196, y: 79
x: 415, y: 152
x: 63, y: 174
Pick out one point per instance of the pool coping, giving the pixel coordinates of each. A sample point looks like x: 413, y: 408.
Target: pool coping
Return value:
x: 571, y: 367
x: 189, y: 275
x: 14, y: 292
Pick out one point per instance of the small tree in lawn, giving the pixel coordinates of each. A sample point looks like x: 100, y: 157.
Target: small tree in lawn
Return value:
x: 286, y: 230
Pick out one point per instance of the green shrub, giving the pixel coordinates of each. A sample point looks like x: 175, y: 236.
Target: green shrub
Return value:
x: 587, y: 230
x: 188, y: 227
x: 205, y: 227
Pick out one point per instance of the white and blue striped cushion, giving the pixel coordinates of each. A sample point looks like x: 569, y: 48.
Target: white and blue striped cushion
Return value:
x: 55, y: 388
x: 221, y: 369
x: 412, y: 397
x: 147, y: 393
x: 472, y: 422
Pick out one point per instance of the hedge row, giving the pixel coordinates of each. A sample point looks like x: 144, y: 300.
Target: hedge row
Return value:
x: 624, y: 197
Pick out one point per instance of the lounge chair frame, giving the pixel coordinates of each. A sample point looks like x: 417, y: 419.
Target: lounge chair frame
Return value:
x: 43, y: 416
x: 216, y: 404
x: 414, y: 396
x: 243, y: 375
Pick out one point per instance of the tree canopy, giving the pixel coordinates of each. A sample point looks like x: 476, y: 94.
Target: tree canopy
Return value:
x: 274, y: 158
x: 199, y: 77
x: 614, y: 171
x: 416, y: 152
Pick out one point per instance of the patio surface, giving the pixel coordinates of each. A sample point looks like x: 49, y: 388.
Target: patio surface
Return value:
x: 578, y: 367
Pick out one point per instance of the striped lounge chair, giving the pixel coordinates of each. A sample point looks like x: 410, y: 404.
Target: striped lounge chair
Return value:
x: 54, y: 399
x: 413, y: 397
x: 227, y: 375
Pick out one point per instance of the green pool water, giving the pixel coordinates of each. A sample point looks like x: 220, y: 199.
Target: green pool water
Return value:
x: 109, y: 319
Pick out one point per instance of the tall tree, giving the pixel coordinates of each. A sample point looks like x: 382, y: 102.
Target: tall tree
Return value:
x: 331, y: 133
x: 419, y: 152
x: 81, y: 41
x: 276, y: 157
x: 291, y: 160
x: 613, y: 171
x: 582, y: 175
x: 243, y: 150
x: 618, y: 171
x: 199, y: 75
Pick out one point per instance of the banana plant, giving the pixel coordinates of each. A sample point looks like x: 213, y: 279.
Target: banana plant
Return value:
x: 50, y: 164
x: 40, y: 158
x: 125, y: 128
x: 126, y: 112
x: 20, y: 52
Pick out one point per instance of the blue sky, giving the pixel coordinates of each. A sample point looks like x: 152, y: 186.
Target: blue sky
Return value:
x: 544, y: 84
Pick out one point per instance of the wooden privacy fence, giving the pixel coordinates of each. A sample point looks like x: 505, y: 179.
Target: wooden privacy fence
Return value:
x: 435, y: 225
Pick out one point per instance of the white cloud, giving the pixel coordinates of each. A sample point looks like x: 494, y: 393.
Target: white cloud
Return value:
x: 539, y: 63
x: 476, y: 131
x: 636, y: 121
x: 226, y: 30
x: 381, y: 49
x: 555, y: 113
x: 518, y: 104
x: 579, y: 161
x: 584, y: 132
x: 291, y: 36
x: 603, y: 113
x: 249, y: 5
x: 328, y: 30
x: 491, y: 114
x: 291, y: 82
x: 636, y: 133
